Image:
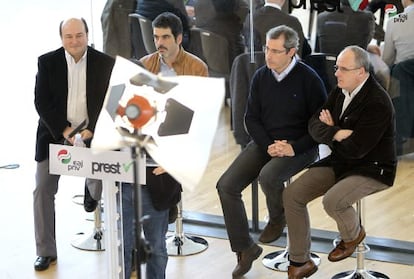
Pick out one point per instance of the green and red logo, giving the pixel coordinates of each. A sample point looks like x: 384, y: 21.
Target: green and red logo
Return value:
x: 64, y: 156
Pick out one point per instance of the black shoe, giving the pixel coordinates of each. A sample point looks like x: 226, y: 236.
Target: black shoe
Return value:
x: 42, y: 263
x: 89, y: 204
x: 172, y: 214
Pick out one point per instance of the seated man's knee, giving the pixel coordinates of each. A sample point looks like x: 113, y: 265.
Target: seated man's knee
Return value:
x: 294, y: 194
x: 330, y: 204
x: 223, y: 183
x: 269, y: 182
x: 227, y: 186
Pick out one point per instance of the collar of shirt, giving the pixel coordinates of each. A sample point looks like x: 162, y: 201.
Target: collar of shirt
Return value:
x: 282, y: 75
x: 165, y: 70
x: 273, y: 5
x: 349, y: 96
x: 70, y: 61
x: 356, y: 90
x: 178, y: 60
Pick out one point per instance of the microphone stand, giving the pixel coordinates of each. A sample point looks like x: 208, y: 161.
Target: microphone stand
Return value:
x: 141, y: 250
x: 137, y: 206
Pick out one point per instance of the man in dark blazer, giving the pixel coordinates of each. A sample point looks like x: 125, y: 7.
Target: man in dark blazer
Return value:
x: 71, y: 84
x: 272, y: 15
x: 338, y: 29
x: 358, y: 124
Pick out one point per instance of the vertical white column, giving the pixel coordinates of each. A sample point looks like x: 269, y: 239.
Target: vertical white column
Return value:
x: 113, y: 230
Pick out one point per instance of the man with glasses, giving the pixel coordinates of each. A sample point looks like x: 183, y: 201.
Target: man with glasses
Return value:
x: 284, y: 94
x: 357, y: 122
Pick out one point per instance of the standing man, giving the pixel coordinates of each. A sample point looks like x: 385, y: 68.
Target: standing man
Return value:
x: 71, y: 84
x: 357, y: 122
x: 337, y: 29
x: 116, y: 29
x: 225, y: 18
x: 162, y: 192
x: 284, y: 94
x: 271, y: 15
x: 399, y: 36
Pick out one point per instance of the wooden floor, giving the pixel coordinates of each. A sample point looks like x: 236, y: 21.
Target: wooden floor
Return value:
x: 30, y: 28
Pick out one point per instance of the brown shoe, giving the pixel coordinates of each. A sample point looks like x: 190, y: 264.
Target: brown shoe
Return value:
x: 304, y: 271
x: 272, y: 232
x: 245, y: 260
x: 345, y: 249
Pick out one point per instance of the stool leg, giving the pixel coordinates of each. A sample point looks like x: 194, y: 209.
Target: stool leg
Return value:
x: 180, y: 244
x: 94, y: 241
x: 360, y: 271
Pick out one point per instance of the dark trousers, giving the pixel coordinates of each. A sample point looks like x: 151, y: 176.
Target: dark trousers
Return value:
x: 254, y: 163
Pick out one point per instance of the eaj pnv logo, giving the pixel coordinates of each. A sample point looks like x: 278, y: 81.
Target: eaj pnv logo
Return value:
x: 65, y: 158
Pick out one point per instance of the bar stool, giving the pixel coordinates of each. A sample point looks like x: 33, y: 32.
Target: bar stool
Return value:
x: 95, y: 240
x: 360, y: 271
x: 180, y: 244
x: 279, y: 260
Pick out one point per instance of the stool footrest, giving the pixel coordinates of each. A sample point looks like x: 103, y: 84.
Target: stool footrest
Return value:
x: 360, y: 274
x: 279, y: 260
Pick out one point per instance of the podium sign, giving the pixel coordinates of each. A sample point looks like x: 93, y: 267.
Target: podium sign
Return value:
x: 83, y: 162
x: 109, y: 166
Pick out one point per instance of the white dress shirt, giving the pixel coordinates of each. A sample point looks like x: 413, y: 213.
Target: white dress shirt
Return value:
x: 76, y: 106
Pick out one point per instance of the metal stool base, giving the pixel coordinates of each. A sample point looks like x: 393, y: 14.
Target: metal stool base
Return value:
x: 279, y: 260
x: 185, y: 245
x: 360, y: 274
x: 92, y: 242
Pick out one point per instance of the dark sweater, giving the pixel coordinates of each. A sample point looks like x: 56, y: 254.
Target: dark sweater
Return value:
x: 281, y: 110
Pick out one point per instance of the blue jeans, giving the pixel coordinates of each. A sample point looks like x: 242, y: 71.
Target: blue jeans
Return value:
x: 254, y: 163
x: 154, y: 228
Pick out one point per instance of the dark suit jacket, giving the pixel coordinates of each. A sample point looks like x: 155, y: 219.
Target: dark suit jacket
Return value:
x: 370, y: 150
x: 51, y: 93
x: 336, y: 30
x: 266, y: 18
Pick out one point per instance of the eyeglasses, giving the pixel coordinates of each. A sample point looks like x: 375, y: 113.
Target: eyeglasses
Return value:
x: 273, y: 51
x: 343, y: 69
